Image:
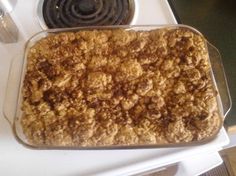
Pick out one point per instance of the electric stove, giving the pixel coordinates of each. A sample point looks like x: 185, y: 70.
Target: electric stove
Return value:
x: 34, y: 16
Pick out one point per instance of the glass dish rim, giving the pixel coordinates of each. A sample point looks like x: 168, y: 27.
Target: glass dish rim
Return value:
x: 193, y: 143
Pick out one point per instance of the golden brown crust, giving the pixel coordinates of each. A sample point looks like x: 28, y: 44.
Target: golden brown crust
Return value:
x: 118, y: 87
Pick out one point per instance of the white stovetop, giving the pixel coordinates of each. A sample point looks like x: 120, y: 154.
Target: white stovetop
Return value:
x: 15, y: 159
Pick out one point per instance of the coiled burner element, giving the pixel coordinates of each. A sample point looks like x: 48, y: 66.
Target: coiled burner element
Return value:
x: 74, y: 13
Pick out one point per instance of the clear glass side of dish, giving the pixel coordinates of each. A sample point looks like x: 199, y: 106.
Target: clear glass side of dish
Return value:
x: 12, y: 103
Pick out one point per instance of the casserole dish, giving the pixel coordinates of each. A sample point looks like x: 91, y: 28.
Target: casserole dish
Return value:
x: 27, y: 135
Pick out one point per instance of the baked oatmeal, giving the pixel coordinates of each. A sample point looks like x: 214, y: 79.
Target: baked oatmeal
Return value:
x: 119, y: 87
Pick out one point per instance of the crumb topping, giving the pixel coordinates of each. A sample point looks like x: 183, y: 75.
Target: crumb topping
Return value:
x: 119, y: 87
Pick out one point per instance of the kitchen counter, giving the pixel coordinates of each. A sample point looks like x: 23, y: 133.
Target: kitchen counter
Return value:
x: 216, y: 19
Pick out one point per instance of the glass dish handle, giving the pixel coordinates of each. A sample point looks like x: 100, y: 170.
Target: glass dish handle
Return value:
x: 221, y: 81
x: 12, y: 90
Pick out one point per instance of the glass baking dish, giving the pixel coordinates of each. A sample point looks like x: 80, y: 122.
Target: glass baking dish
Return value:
x: 12, y: 104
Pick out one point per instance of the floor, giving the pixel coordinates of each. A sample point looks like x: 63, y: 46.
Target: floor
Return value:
x: 229, y: 157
